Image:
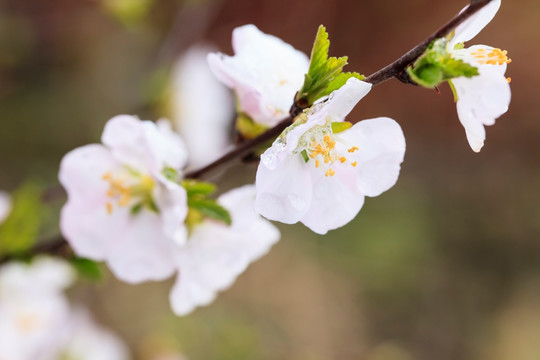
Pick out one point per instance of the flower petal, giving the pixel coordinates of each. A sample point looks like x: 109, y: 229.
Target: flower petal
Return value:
x: 284, y: 193
x: 216, y: 254
x: 265, y: 73
x: 141, y: 252
x: 481, y: 100
x: 336, y: 200
x: 473, y: 25
x: 81, y: 173
x: 381, y: 150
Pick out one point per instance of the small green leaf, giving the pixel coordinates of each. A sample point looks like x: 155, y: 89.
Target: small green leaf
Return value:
x: 194, y: 188
x: 304, y: 155
x: 87, y: 268
x: 340, y: 126
x: 437, y: 65
x: 20, y: 230
x: 324, y: 74
x: 211, y: 209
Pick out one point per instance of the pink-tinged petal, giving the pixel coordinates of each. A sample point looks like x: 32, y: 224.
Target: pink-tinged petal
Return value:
x: 166, y: 146
x: 5, y: 205
x: 481, y: 100
x: 336, y: 200
x: 216, y: 254
x: 142, y: 252
x: 381, y: 149
x: 472, y: 26
x: 144, y: 145
x: 82, y: 170
x: 89, y: 229
x: 265, y: 73
x: 284, y: 193
x: 124, y: 136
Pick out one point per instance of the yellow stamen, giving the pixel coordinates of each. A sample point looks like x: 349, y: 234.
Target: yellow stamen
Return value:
x: 342, y: 159
x: 317, y: 163
x: 109, y: 208
x: 353, y: 149
x: 353, y: 164
x: 330, y: 172
x: 509, y: 80
x: 493, y: 57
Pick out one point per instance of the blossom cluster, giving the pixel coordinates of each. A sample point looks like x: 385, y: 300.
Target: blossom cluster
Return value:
x: 131, y: 204
x: 37, y: 321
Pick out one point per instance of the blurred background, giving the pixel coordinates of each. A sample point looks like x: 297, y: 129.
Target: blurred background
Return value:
x: 445, y: 265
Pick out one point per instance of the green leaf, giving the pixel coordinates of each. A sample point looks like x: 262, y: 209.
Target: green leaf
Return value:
x: 211, y: 209
x: 20, y: 230
x: 340, y: 126
x: 324, y: 74
x: 437, y: 65
x: 87, y: 268
x: 304, y: 155
x: 201, y: 188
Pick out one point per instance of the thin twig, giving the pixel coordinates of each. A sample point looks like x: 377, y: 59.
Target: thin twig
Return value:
x: 58, y: 245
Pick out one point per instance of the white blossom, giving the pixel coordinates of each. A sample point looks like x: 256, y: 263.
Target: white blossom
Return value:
x: 216, y: 254
x: 202, y: 107
x: 483, y: 98
x: 33, y: 309
x: 313, y: 175
x: 5, y: 205
x: 265, y: 73
x: 121, y: 207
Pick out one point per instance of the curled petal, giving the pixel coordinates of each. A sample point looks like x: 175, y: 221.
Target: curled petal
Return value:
x: 481, y: 100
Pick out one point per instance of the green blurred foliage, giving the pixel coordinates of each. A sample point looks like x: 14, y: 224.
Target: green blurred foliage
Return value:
x: 20, y: 230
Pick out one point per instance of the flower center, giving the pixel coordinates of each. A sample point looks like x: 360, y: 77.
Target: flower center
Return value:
x: 319, y: 143
x: 491, y: 57
x: 133, y: 189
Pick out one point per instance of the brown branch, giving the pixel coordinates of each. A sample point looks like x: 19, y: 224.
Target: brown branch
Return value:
x: 58, y: 245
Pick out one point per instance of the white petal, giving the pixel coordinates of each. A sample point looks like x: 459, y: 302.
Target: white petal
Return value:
x: 81, y: 173
x: 481, y: 100
x: 5, y: 205
x: 43, y: 275
x: 343, y: 100
x: 284, y: 193
x: 381, y: 146
x: 172, y: 202
x: 472, y: 26
x: 141, y: 250
x: 336, y: 200
x: 89, y: 229
x: 203, y: 108
x: 143, y: 145
x: 216, y: 254
x: 265, y: 73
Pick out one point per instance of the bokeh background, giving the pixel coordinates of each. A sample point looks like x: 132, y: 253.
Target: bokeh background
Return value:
x: 446, y: 265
